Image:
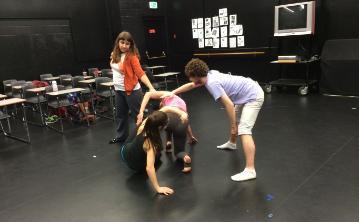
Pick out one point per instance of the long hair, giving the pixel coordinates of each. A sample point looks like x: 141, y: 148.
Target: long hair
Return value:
x: 154, y: 122
x: 116, y: 52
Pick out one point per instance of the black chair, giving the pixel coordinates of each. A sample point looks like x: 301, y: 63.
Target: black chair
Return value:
x: 93, y: 72
x: 157, y: 85
x: 57, y: 101
x: 15, y: 90
x: 105, y: 92
x: 66, y: 80
x: 7, y: 86
x: 35, y: 99
x: 44, y: 76
x: 106, y: 73
x: 77, y: 84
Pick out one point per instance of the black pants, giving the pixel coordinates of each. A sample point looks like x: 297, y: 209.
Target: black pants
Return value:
x: 177, y: 131
x: 124, y: 104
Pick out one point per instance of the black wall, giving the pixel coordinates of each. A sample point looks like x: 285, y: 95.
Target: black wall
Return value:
x: 41, y: 36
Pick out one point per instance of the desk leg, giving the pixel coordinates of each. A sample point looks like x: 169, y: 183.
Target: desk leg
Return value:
x: 92, y: 100
x: 24, y: 120
x: 40, y: 108
x: 166, y: 83
x: 61, y: 123
x: 25, y: 124
x: 307, y: 73
x: 177, y: 80
x: 8, y: 121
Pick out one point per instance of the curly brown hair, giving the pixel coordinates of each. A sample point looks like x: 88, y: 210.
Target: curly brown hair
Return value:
x: 196, y: 68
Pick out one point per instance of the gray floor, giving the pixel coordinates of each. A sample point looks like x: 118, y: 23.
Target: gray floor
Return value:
x: 307, y: 149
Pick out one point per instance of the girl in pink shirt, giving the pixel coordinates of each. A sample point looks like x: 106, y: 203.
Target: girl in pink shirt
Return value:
x: 176, y: 102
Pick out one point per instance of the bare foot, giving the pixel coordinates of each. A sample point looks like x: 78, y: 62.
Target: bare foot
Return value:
x: 193, y: 140
x: 168, y: 146
x: 187, y: 164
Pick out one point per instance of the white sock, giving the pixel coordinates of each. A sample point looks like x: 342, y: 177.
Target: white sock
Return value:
x: 228, y: 145
x: 246, y: 174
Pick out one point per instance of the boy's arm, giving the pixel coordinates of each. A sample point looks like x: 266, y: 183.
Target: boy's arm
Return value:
x: 228, y: 104
x: 151, y: 172
x: 186, y: 87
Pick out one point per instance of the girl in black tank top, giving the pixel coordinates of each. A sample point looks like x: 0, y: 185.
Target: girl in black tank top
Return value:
x: 144, y: 150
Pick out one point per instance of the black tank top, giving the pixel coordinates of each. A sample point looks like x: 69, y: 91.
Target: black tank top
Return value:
x: 134, y: 153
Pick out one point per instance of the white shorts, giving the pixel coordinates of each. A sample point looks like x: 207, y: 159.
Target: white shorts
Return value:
x: 247, y: 113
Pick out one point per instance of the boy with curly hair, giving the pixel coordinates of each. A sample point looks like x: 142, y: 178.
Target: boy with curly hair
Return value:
x: 236, y: 93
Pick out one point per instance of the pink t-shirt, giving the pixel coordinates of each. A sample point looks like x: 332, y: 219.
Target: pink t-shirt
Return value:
x: 174, y: 101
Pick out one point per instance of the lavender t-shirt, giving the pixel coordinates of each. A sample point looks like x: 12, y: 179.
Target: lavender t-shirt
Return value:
x: 239, y: 89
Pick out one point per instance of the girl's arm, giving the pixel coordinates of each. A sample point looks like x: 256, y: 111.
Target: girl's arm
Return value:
x: 136, y: 66
x: 147, y: 82
x: 146, y: 98
x: 151, y: 172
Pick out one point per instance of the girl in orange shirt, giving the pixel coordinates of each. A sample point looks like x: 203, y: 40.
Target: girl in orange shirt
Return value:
x: 127, y: 72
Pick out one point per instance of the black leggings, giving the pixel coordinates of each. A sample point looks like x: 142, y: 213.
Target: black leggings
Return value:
x: 178, y: 131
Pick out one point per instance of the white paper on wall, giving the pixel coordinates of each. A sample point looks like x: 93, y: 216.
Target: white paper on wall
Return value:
x: 224, y: 42
x: 222, y: 12
x: 232, y: 20
x: 232, y: 42
x: 224, y: 31
x: 208, y: 42
x: 215, y: 43
x: 200, y: 43
x: 200, y: 23
x: 215, y: 21
x: 194, y: 23
x: 208, y: 33
x: 207, y: 22
x: 223, y: 20
x: 200, y: 33
x: 236, y: 30
x: 195, y: 33
x: 240, y: 41
x: 215, y: 32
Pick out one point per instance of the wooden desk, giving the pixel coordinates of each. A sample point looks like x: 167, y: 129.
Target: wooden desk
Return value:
x: 156, y: 67
x: 51, y: 78
x: 36, y: 90
x: 65, y: 91
x: 88, y: 77
x: 88, y: 81
x: 17, y: 87
x: 109, y: 84
x: 13, y: 101
x: 2, y: 96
